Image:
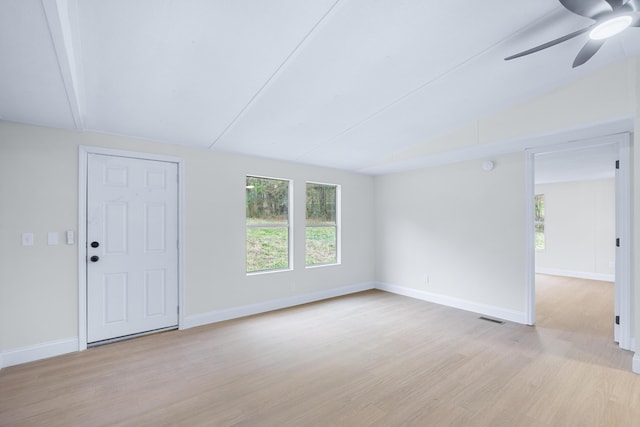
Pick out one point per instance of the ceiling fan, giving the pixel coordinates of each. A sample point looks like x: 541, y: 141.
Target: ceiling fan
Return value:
x: 611, y: 17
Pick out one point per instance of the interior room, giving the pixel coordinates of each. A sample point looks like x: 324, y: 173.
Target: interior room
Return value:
x: 292, y: 213
x: 575, y: 225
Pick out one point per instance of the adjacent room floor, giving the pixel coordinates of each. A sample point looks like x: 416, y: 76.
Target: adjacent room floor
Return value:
x: 368, y: 359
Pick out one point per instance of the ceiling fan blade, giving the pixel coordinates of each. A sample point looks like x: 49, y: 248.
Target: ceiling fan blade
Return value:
x: 632, y: 6
x: 587, y: 8
x: 588, y: 50
x: 549, y: 44
x: 615, y: 3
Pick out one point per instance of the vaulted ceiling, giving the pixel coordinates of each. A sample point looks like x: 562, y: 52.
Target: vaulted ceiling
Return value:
x: 337, y: 83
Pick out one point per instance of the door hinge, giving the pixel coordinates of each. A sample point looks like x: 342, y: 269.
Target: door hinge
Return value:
x: 178, y: 310
x: 617, y: 242
x: 617, y: 164
x: 617, y: 320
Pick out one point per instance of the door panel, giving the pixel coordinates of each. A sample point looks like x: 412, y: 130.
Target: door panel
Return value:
x: 132, y: 255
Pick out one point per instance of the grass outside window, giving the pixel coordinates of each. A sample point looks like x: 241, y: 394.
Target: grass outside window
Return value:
x: 321, y: 245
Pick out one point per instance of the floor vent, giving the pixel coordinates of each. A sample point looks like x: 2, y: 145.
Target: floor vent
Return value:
x: 489, y: 319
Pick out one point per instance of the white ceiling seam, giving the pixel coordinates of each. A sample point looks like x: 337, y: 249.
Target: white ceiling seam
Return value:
x: 409, y: 94
x: 59, y: 22
x: 375, y: 52
x: 275, y: 73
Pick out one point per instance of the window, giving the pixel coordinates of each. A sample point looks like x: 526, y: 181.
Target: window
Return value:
x: 538, y: 221
x: 322, y: 234
x: 268, y: 225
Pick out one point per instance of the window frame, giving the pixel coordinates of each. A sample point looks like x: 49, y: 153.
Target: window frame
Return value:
x: 288, y: 226
x: 337, y: 225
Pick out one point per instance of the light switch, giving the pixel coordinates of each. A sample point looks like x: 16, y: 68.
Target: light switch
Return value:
x: 27, y: 239
x: 69, y: 237
x: 52, y: 238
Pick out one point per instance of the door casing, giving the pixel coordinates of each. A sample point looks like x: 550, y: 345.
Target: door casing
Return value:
x: 83, y: 153
x: 623, y: 333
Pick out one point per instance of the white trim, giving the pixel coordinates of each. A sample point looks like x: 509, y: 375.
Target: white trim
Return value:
x: 475, y: 307
x: 62, y: 27
x: 81, y: 239
x: 577, y: 274
x: 34, y: 352
x: 276, y: 304
x: 635, y: 364
x: 83, y: 153
x: 624, y: 332
x: 529, y: 239
x: 508, y: 146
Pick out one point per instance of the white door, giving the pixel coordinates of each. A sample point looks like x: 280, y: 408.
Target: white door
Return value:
x: 623, y: 316
x: 132, y: 246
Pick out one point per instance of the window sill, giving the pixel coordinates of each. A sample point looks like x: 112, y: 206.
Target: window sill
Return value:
x: 261, y: 272
x: 322, y: 265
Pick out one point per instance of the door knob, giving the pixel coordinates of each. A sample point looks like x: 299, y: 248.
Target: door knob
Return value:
x: 94, y: 258
x: 95, y: 244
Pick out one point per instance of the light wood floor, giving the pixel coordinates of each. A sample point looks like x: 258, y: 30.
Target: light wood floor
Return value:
x: 370, y: 359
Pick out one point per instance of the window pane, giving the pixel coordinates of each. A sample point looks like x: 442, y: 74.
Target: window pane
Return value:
x: 267, y: 200
x: 267, y: 248
x: 321, y: 245
x: 538, y: 218
x: 267, y: 206
x: 539, y: 236
x: 321, y: 204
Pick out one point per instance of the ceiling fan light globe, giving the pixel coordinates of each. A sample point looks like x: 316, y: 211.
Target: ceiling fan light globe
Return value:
x: 610, y: 27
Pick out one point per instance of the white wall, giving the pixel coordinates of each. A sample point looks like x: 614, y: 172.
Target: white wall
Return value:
x: 39, y: 193
x: 579, y: 229
x: 455, y: 233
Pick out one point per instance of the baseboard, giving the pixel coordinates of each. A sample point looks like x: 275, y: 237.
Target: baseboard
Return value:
x: 277, y: 304
x: 475, y: 307
x: 43, y: 350
x: 577, y: 274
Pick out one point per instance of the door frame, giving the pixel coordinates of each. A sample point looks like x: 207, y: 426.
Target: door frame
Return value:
x: 83, y: 163
x: 623, y: 334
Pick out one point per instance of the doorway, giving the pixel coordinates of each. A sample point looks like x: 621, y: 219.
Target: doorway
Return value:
x: 607, y: 159
x: 129, y: 245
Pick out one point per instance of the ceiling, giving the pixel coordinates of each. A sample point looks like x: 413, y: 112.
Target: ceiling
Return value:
x: 335, y: 83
